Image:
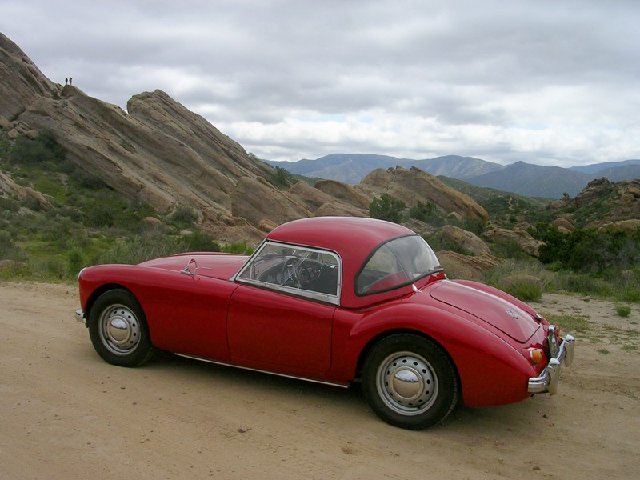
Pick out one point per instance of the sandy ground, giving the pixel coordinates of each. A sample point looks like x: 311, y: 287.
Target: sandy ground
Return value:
x: 65, y: 414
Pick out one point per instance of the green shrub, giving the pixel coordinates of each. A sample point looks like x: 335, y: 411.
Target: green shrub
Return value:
x: 507, y: 249
x: 524, y: 287
x: 387, y: 208
x: 237, y: 247
x: 75, y: 261
x: 43, y: 149
x: 281, y: 178
x: 589, y: 250
x: 200, y: 242
x: 427, y: 213
x: 623, y: 310
x: 183, y: 216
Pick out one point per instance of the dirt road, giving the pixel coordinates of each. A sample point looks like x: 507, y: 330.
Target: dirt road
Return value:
x: 66, y: 414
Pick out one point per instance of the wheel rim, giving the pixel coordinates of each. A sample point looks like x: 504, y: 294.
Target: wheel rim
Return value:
x: 119, y: 329
x: 407, y: 383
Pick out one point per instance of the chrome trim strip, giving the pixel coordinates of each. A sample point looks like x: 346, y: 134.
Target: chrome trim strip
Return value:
x: 341, y: 385
x: 548, y: 380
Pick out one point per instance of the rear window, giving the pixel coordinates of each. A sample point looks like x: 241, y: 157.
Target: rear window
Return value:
x: 396, y: 263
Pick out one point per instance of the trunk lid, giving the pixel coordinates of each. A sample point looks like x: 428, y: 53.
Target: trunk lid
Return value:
x: 499, y: 312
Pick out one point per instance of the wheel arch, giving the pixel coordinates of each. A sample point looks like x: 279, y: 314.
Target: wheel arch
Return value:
x: 366, y: 350
x: 103, y: 289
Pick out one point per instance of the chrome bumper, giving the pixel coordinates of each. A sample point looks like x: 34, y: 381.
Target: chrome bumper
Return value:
x: 80, y: 316
x: 548, y: 379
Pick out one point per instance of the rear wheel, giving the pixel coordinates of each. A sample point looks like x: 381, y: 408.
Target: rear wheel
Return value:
x: 118, y: 329
x: 409, y: 381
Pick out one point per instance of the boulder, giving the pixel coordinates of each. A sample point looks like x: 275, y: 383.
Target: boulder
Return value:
x: 564, y: 224
x: 522, y: 238
x: 457, y: 265
x: 628, y: 226
x: 345, y: 193
x: 468, y: 241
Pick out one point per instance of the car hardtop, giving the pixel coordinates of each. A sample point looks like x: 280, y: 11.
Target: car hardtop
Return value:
x: 354, y: 239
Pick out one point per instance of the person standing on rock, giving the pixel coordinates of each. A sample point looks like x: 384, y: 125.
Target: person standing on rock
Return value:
x: 66, y: 81
x: 70, y: 81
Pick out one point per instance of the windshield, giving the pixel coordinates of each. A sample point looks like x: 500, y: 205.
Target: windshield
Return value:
x: 395, y: 263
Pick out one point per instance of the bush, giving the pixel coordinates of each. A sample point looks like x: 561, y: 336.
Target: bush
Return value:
x: 589, y: 250
x: 427, y: 213
x: 524, y: 287
x: 387, y: 208
x: 623, y: 310
x: 200, y: 242
x: 237, y: 247
x: 507, y: 249
x: 525, y: 279
x: 43, y: 149
x: 281, y: 178
x: 183, y: 216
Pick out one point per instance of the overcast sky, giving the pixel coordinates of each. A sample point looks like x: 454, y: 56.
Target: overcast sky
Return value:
x: 546, y: 82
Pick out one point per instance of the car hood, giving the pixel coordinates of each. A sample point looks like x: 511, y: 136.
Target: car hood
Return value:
x: 478, y: 300
x: 213, y: 265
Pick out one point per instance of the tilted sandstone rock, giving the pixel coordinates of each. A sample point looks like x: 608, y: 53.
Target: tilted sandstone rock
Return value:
x: 628, y: 226
x: 344, y: 192
x: 22, y: 82
x: 414, y: 185
x: 159, y: 152
x: 564, y: 224
x: 320, y: 203
x: 521, y: 237
x: 468, y: 241
x: 457, y: 265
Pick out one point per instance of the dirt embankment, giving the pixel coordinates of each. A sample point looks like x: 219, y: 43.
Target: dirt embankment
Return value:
x: 65, y: 414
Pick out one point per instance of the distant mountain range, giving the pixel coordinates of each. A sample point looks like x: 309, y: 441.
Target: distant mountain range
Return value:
x: 520, y: 177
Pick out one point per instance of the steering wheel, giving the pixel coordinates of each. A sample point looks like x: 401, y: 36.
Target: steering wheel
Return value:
x: 308, y: 271
x: 290, y: 277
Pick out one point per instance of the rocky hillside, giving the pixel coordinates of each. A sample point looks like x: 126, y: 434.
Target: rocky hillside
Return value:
x: 160, y: 153
x: 601, y: 203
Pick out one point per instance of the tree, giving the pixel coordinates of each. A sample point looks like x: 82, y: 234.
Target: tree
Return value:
x: 387, y: 208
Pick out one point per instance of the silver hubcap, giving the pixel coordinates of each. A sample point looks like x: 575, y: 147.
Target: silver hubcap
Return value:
x: 407, y: 383
x: 119, y: 329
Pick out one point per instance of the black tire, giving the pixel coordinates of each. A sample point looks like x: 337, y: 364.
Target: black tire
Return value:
x: 409, y: 382
x: 118, y: 329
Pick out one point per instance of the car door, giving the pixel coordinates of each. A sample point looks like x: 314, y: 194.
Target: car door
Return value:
x: 280, y: 317
x: 187, y: 314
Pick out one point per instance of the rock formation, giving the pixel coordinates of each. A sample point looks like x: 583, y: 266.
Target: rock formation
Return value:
x: 414, y: 185
x: 160, y: 153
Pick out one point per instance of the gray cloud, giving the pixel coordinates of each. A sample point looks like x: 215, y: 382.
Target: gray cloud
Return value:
x: 539, y: 81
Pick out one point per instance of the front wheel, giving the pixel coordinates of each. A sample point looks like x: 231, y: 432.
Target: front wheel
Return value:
x: 118, y: 329
x: 409, y: 382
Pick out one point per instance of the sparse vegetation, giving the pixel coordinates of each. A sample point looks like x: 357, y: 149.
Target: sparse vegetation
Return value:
x: 427, y: 212
x: 281, y: 178
x: 387, y: 208
x: 525, y: 287
x: 82, y: 222
x: 569, y: 323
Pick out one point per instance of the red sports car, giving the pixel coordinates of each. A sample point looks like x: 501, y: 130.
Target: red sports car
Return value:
x: 335, y: 300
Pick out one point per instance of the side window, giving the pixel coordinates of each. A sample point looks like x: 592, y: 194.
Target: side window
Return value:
x: 299, y: 270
